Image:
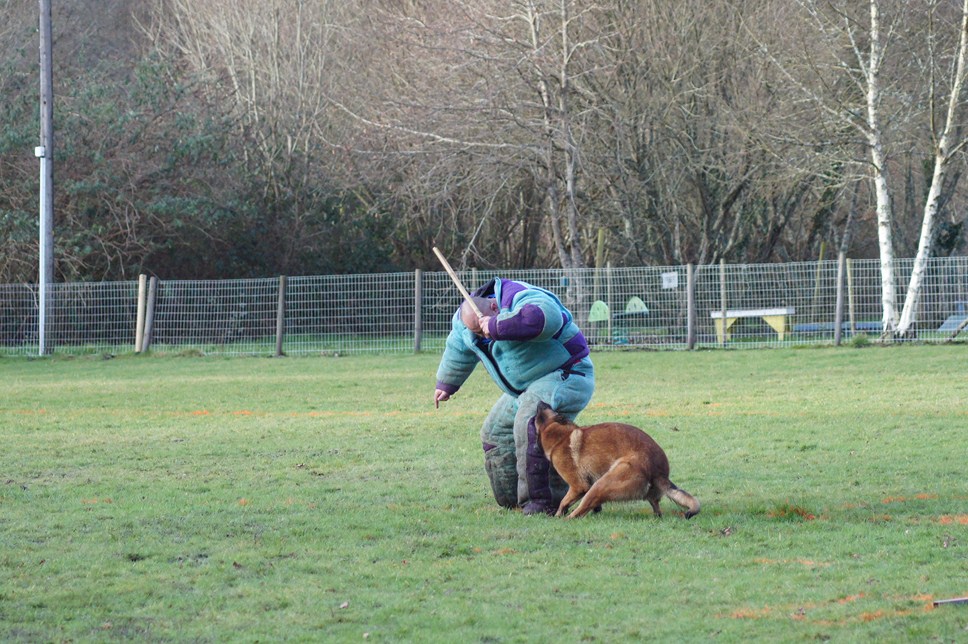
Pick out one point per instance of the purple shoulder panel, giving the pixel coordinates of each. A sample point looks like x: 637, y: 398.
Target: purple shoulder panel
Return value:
x: 526, y: 324
x: 508, y: 290
x: 577, y: 346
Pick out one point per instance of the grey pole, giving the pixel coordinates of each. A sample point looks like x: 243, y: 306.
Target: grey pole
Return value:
x: 46, y: 154
x: 690, y: 307
x: 839, y: 308
x: 722, y: 294
x: 417, y: 309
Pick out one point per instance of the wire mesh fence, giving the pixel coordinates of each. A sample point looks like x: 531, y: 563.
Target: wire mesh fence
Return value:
x: 673, y: 307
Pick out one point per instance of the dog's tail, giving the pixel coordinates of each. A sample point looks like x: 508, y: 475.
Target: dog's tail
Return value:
x: 683, y: 499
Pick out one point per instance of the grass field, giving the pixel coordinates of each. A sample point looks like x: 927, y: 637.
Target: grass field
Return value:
x: 325, y: 499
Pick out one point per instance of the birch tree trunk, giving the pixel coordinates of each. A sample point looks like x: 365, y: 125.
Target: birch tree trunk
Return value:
x: 885, y: 215
x: 943, y: 153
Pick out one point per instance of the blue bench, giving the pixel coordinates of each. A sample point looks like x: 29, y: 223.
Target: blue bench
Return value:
x: 955, y: 319
x: 871, y: 326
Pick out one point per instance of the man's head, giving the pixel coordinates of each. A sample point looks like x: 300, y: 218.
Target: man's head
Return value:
x: 487, y: 305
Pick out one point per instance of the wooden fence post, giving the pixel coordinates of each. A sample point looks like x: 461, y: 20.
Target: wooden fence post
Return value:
x: 281, y: 316
x: 139, y: 330
x: 150, y: 313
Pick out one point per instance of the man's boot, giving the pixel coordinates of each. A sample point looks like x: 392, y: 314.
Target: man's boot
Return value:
x: 539, y: 487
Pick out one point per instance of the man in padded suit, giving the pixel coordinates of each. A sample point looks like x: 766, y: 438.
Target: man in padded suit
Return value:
x: 532, y: 348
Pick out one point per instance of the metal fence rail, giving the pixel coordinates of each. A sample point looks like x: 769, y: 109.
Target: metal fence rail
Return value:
x: 674, y: 307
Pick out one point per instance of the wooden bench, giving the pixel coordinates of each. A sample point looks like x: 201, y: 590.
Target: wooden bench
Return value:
x: 777, y: 318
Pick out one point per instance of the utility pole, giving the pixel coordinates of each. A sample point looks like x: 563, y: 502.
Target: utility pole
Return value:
x: 46, y: 154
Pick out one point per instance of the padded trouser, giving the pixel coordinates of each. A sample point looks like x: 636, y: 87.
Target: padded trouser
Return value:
x: 505, y: 431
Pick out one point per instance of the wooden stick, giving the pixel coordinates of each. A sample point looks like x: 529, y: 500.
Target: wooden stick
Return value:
x: 460, y: 287
x: 957, y: 600
x: 954, y: 334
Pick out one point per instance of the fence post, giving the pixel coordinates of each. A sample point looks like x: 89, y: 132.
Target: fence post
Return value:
x: 599, y: 259
x: 150, y: 313
x: 608, y: 297
x: 417, y: 309
x: 281, y: 316
x: 816, y: 283
x: 722, y: 295
x: 690, y: 307
x: 850, y: 296
x: 45, y: 153
x: 839, y: 310
x: 139, y: 330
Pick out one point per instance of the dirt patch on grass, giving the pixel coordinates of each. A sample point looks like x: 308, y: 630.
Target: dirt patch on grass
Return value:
x: 831, y: 612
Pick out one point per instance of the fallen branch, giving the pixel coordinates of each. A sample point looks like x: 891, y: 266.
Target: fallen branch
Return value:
x: 956, y: 600
x: 960, y: 328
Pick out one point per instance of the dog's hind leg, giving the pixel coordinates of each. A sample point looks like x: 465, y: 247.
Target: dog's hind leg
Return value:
x: 653, y: 498
x: 622, y: 482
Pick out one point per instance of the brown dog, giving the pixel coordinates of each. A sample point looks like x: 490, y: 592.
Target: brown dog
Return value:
x: 607, y: 462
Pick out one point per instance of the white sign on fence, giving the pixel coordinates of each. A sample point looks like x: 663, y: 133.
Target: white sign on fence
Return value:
x: 670, y: 280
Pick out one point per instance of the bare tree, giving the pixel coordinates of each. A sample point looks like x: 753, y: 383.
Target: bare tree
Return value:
x: 515, y: 130
x: 693, y: 172
x: 946, y: 146
x: 842, y: 74
x: 868, y: 73
x: 871, y: 67
x: 270, y: 60
x: 506, y: 98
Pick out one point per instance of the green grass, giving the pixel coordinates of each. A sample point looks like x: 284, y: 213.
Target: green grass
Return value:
x: 324, y: 499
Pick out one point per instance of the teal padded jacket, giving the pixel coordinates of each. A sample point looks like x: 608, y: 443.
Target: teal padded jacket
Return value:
x: 532, y: 335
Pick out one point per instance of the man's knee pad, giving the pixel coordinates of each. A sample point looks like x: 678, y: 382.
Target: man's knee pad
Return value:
x: 500, y: 464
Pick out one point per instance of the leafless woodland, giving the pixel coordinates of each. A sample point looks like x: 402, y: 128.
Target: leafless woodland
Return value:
x: 260, y: 137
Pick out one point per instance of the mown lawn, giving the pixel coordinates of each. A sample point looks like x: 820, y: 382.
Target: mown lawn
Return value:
x: 325, y: 499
